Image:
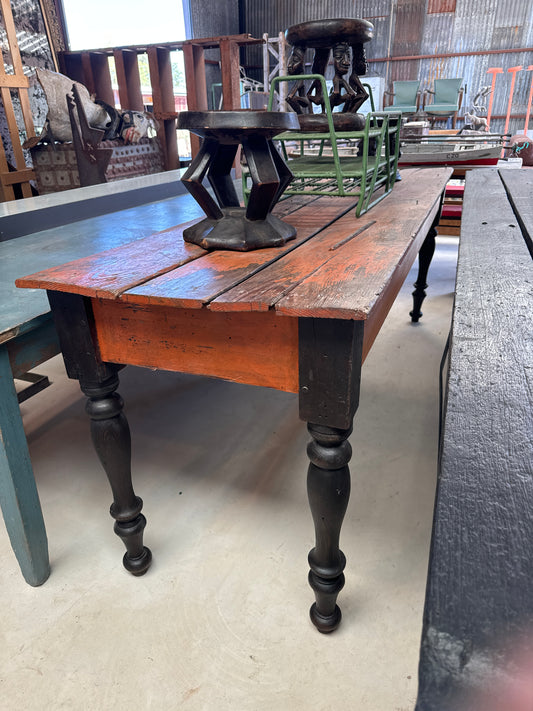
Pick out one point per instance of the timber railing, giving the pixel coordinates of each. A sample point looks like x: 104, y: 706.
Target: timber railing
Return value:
x: 92, y: 68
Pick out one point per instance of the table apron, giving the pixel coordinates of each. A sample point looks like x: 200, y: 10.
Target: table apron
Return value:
x: 257, y: 348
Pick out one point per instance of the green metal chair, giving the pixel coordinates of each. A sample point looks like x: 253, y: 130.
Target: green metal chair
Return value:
x: 405, y: 97
x: 447, y: 97
x: 319, y: 171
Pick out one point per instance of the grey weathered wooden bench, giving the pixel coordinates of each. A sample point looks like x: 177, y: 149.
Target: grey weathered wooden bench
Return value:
x: 478, y: 621
x: 27, y: 333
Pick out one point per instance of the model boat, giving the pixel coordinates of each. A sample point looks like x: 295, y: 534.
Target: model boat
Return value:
x: 464, y: 149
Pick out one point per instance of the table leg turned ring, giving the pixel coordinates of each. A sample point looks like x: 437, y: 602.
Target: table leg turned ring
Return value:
x: 112, y: 441
x: 328, y: 487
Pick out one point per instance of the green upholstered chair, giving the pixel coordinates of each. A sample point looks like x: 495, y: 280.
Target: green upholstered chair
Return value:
x: 405, y: 97
x: 447, y: 97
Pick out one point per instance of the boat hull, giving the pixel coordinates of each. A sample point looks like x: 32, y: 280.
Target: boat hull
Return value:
x: 432, y: 160
x: 460, y: 155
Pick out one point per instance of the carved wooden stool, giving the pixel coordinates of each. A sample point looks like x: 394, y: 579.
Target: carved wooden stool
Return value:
x: 228, y: 225
x: 325, y: 36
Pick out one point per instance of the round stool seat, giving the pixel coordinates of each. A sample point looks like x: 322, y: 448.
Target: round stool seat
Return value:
x: 231, y: 126
x: 326, y: 33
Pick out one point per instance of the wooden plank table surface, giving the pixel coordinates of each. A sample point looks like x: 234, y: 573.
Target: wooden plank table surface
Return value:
x: 477, y: 650
x: 299, y: 318
x: 28, y: 336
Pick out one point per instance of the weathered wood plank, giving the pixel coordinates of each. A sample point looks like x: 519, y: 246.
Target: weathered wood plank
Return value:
x: 292, y: 203
x: 111, y: 272
x: 70, y: 241
x: 201, y: 342
x: 262, y: 290
x: 479, y: 607
x: 108, y: 274
x: 196, y: 284
x: 352, y: 282
x: 265, y: 289
x: 33, y: 347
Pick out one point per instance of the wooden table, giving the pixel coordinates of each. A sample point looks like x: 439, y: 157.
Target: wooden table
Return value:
x: 476, y: 642
x: 299, y: 318
x: 27, y: 333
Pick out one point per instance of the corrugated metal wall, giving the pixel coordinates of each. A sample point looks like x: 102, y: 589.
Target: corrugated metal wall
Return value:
x: 424, y: 31
x: 212, y: 19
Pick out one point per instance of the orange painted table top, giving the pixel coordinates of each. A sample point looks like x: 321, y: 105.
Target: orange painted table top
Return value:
x: 161, y: 302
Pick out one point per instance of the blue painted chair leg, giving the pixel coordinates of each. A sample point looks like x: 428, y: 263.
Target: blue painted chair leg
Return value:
x: 18, y: 493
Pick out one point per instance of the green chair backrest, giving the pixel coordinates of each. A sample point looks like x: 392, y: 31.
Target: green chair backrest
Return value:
x: 447, y: 91
x: 405, y: 93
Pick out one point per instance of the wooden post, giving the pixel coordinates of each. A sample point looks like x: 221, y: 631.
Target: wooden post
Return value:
x: 194, y: 60
x: 71, y: 65
x: 87, y: 73
x: 230, y: 71
x: 129, y: 81
x: 164, y: 106
x: 102, y: 77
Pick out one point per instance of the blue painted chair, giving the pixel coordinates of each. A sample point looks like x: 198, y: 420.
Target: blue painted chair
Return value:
x: 405, y: 97
x: 447, y: 97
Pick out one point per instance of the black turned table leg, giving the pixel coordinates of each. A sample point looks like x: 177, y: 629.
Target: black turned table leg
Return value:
x: 424, y: 260
x: 328, y: 489
x: 109, y: 428
x: 330, y: 359
x: 111, y: 439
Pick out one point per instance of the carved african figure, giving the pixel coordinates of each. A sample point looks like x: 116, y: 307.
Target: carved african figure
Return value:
x: 341, y: 92
x: 359, y: 67
x: 320, y: 62
x: 297, y: 99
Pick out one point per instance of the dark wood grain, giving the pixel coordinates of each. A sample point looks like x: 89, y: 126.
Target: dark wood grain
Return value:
x: 519, y: 187
x: 479, y: 608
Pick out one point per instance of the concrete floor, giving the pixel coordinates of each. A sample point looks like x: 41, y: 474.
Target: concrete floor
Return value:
x: 220, y: 622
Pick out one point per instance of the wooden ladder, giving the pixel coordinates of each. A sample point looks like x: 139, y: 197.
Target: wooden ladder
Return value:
x: 18, y: 81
